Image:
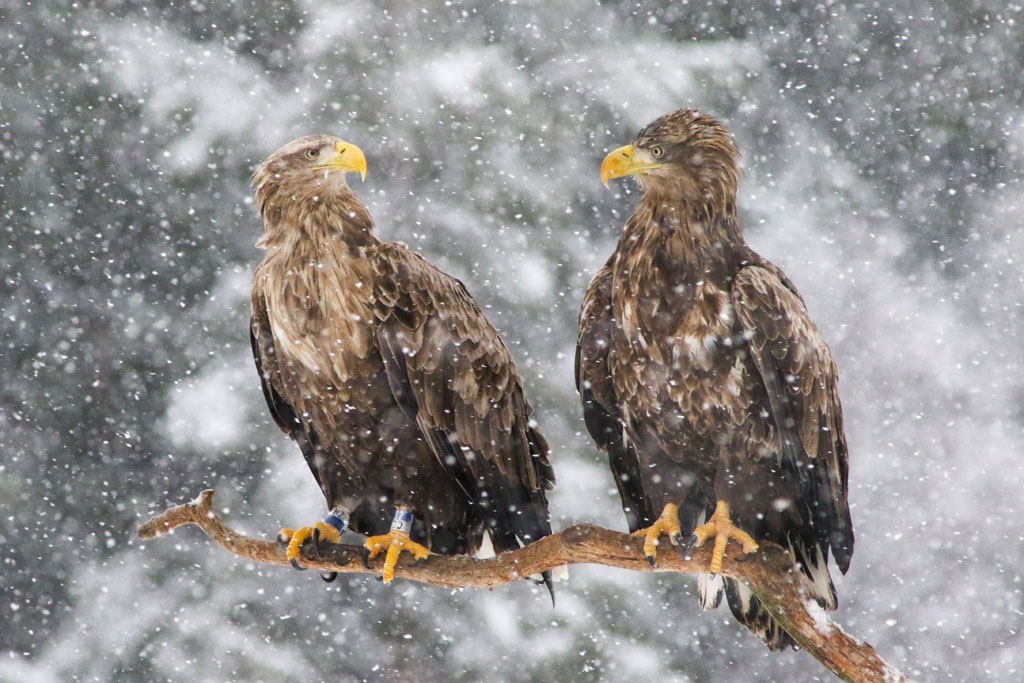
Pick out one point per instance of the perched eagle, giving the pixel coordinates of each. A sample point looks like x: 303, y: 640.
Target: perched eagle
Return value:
x: 402, y: 396
x: 705, y: 380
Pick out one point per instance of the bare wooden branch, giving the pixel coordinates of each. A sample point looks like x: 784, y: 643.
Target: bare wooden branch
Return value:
x: 770, y: 575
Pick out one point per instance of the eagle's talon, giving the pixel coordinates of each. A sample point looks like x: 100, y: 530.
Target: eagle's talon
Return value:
x: 329, y: 578
x: 650, y: 559
x: 393, y: 543
x: 299, y: 537
x: 721, y: 528
x: 667, y: 524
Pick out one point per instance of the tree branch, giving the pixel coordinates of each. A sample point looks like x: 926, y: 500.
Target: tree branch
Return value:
x: 769, y: 574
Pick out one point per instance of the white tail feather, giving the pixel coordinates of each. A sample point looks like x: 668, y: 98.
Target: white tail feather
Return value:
x: 819, y: 583
x: 744, y: 595
x: 709, y: 590
x: 486, y: 549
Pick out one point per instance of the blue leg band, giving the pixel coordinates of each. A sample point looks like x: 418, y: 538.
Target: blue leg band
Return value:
x: 338, y: 518
x: 402, y: 521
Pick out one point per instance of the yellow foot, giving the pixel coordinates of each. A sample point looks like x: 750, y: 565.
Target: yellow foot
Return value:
x: 394, y: 542
x: 667, y: 524
x: 293, y: 539
x: 722, y: 528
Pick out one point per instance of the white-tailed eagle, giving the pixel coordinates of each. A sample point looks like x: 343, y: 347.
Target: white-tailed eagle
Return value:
x: 705, y: 380
x: 401, y: 395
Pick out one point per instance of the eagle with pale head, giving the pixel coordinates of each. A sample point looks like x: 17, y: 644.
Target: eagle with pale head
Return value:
x: 403, y: 398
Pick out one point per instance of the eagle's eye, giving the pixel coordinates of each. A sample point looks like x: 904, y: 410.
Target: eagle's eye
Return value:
x: 312, y: 153
x: 657, y: 151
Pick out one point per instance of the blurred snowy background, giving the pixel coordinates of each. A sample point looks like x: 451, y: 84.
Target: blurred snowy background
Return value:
x: 882, y: 149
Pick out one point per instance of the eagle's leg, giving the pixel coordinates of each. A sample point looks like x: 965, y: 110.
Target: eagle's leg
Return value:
x: 722, y: 528
x: 667, y: 524
x: 330, y: 530
x: 394, y: 542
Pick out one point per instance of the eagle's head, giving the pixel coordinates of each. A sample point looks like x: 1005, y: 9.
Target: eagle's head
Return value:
x: 306, y: 171
x: 684, y: 155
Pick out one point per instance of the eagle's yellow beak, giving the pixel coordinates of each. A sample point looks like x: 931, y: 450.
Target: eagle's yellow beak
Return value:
x: 620, y: 163
x: 348, y: 157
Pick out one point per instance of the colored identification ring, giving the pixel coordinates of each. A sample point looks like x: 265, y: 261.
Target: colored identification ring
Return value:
x: 402, y: 521
x: 338, y: 518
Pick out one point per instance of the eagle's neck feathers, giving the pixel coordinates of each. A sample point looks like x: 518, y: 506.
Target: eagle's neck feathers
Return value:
x: 297, y: 221
x: 316, y: 283
x: 693, y: 237
x: 672, y: 278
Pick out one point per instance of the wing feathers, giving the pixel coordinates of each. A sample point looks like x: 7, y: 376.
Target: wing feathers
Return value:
x: 467, y: 394
x: 600, y: 400
x: 801, y: 381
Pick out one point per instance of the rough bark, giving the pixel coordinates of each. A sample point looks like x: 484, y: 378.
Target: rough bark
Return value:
x: 769, y: 573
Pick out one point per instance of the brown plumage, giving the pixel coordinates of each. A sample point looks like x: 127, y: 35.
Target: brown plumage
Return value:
x: 397, y: 389
x: 702, y: 374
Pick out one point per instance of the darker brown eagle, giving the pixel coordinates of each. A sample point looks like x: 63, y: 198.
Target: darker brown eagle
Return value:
x: 401, y: 395
x: 704, y: 378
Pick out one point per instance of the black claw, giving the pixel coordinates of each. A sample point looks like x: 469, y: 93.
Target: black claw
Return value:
x: 418, y: 562
x: 366, y: 558
x: 550, y: 586
x: 329, y: 578
x: 296, y: 565
x: 650, y: 558
x: 746, y: 558
x: 692, y: 542
x: 677, y: 540
x: 316, y: 542
x: 713, y: 576
x: 281, y: 540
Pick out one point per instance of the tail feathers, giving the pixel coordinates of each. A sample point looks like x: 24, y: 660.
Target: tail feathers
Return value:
x: 748, y: 611
x: 486, y: 549
x: 709, y: 586
x: 814, y: 565
x: 709, y: 590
